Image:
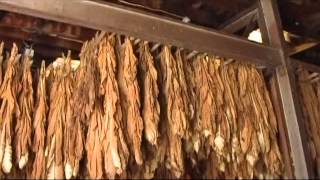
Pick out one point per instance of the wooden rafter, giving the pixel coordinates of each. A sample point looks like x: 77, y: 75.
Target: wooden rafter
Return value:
x: 241, y: 20
x: 302, y: 47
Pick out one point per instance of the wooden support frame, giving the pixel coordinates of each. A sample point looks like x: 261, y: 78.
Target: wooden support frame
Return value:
x: 271, y: 28
x: 123, y: 20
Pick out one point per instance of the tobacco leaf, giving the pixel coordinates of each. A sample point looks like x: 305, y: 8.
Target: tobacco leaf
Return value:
x: 150, y: 105
x: 205, y: 116
x: 115, y: 150
x: 130, y: 101
x: 24, y: 120
x: 309, y: 96
x: 175, y: 112
x: 39, y: 127
x: 93, y: 143
x: 9, y: 107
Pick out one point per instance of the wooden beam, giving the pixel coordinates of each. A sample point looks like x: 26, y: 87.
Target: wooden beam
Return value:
x: 241, y: 20
x: 302, y: 47
x: 124, y: 20
x: 284, y: 143
x: 285, y: 76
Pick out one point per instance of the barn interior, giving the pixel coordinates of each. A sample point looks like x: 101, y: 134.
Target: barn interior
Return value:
x: 51, y: 28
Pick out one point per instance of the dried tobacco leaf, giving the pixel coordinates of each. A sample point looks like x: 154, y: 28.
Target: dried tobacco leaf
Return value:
x: 24, y: 121
x: 9, y: 107
x: 86, y: 88
x: 309, y: 95
x: 267, y: 137
x: 115, y: 150
x: 39, y: 124
x: 58, y: 115
x: 205, y: 103
x: 93, y: 143
x: 150, y: 106
x: 130, y: 101
x: 85, y: 93
x: 175, y: 112
x: 73, y: 142
x: 172, y: 90
x: 187, y: 105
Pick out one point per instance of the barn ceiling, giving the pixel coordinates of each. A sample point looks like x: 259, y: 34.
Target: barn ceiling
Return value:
x: 299, y: 16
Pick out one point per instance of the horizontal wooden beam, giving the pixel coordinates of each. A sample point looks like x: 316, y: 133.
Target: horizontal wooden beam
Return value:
x: 132, y: 22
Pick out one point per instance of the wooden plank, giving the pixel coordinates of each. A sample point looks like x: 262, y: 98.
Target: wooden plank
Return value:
x: 111, y: 17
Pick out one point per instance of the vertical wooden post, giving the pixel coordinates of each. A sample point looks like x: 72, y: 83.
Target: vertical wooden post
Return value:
x: 282, y: 129
x: 271, y: 29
